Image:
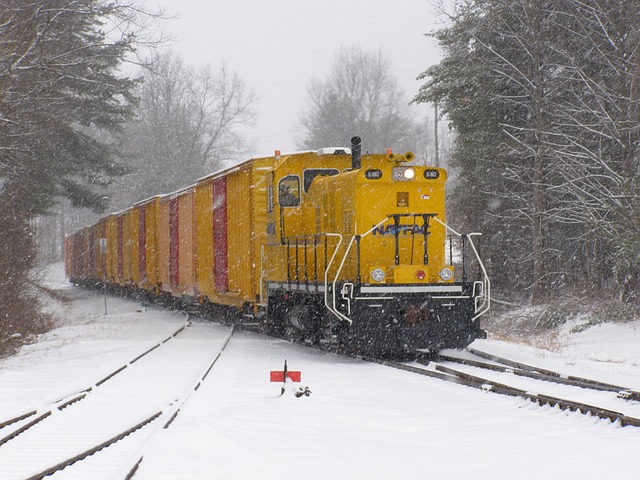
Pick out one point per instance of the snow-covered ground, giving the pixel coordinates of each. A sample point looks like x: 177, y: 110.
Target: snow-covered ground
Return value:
x: 362, y: 421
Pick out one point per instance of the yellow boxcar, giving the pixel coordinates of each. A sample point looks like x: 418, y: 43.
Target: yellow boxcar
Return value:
x: 111, y: 229
x: 83, y: 246
x: 204, y: 237
x: 123, y: 248
x: 147, y: 211
x: 103, y: 249
x: 163, y: 238
x: 94, y: 254
x: 183, y: 229
x: 230, y: 221
x: 133, y: 246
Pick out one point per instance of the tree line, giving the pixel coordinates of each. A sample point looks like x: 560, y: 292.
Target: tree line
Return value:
x: 58, y: 77
x: 544, y: 96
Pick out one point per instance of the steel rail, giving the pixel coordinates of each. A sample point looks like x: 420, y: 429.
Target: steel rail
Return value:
x: 573, y: 381
x: 70, y: 399
x: 454, y: 376
x: 550, y: 375
x: 70, y: 461
x: 171, y: 410
x: 584, y: 408
x: 177, y: 406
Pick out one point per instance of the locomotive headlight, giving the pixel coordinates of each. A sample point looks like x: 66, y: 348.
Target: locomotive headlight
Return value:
x: 403, y: 174
x: 378, y: 275
x: 446, y: 274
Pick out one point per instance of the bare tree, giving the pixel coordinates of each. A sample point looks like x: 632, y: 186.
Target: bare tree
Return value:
x: 185, y: 126
x: 599, y: 142
x: 359, y: 96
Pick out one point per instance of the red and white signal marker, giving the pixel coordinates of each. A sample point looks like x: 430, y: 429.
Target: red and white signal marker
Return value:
x: 293, y: 375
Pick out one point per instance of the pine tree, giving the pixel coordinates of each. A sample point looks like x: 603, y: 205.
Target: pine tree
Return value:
x: 543, y: 95
x: 60, y: 78
x: 58, y: 81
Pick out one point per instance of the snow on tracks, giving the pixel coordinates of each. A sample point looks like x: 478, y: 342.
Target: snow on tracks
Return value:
x: 544, y: 387
x: 141, y: 393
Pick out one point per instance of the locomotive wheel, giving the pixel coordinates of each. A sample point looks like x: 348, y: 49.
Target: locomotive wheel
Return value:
x: 307, y: 320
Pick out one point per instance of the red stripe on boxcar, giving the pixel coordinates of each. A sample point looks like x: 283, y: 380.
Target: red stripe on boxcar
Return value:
x: 174, y: 242
x: 220, y: 248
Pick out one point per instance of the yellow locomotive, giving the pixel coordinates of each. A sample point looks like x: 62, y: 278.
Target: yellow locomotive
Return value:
x: 327, y: 245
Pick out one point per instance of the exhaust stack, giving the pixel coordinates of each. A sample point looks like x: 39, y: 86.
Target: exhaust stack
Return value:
x: 355, y: 153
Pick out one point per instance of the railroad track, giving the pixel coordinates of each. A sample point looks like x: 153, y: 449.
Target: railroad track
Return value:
x: 13, y: 426
x: 494, y: 374
x: 116, y: 416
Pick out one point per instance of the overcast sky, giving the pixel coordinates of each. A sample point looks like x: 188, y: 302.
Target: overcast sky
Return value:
x: 279, y: 46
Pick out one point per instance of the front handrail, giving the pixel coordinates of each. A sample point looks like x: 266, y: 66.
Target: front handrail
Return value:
x: 334, y: 310
x: 331, y: 308
x: 482, y: 302
x: 486, y: 290
x: 485, y: 295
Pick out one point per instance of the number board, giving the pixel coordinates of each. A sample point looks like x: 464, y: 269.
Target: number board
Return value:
x: 373, y: 174
x: 431, y: 174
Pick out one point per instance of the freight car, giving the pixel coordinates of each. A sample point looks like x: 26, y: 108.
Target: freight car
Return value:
x: 326, y: 246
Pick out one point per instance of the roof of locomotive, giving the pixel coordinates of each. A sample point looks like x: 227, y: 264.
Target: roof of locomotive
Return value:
x: 277, y: 155
x: 325, y: 151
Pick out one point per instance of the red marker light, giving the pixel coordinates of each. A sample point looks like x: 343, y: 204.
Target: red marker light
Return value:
x: 420, y: 274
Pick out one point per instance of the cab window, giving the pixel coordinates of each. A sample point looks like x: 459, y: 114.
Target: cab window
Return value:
x: 310, y: 173
x: 289, y: 191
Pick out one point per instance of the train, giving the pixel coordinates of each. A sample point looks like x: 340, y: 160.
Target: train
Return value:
x: 330, y: 246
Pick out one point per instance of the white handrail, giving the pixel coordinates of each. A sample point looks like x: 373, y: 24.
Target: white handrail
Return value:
x: 344, y: 259
x: 486, y: 283
x: 326, y: 282
x: 486, y: 290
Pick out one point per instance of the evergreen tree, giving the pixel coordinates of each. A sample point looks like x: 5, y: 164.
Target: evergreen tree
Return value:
x: 58, y: 79
x: 542, y: 94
